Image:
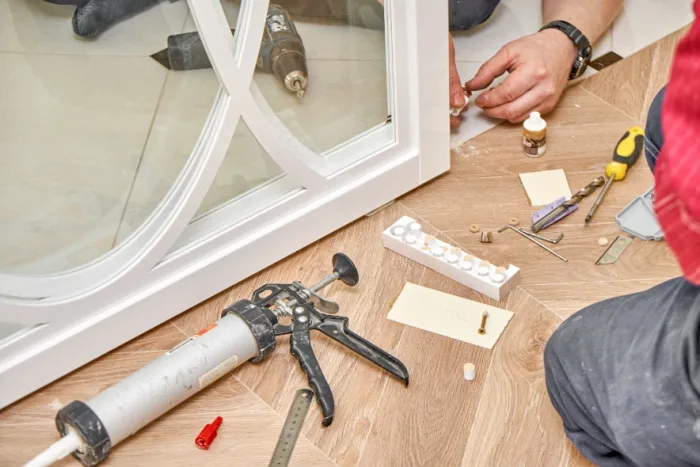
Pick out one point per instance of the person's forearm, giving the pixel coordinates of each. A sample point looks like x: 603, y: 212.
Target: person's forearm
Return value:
x: 592, y: 17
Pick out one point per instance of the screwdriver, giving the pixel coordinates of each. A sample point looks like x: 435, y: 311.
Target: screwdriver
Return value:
x: 626, y: 153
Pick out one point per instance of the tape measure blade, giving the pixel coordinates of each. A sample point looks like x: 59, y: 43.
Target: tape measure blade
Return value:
x: 614, y: 251
x: 292, y: 428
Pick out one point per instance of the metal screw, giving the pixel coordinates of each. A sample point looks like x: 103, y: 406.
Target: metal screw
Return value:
x: 302, y: 319
x: 482, y: 329
x: 298, y: 310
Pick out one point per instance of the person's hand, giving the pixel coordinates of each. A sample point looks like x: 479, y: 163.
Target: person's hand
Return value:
x: 457, y: 99
x: 539, y: 67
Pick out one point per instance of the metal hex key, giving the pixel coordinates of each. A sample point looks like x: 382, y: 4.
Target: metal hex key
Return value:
x: 533, y: 241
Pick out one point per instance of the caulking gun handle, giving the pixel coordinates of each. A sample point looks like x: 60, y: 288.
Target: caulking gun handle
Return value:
x: 336, y: 327
x: 300, y: 344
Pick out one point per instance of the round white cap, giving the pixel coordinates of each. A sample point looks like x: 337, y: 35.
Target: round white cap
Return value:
x: 437, y: 251
x: 469, y: 371
x: 535, y: 122
x: 497, y: 277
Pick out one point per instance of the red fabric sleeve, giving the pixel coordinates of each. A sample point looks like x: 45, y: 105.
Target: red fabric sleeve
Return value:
x: 677, y: 192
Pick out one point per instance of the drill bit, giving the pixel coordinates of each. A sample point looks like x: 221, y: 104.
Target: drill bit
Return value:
x: 582, y: 193
x: 163, y: 58
x: 599, y: 200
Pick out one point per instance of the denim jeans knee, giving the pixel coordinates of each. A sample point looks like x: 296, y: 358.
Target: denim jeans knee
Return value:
x: 465, y: 14
x: 654, y: 139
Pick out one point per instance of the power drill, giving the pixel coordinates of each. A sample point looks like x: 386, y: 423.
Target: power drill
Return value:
x: 281, y: 52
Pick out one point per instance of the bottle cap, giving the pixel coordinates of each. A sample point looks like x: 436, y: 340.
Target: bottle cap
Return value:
x: 535, y: 122
x: 469, y: 371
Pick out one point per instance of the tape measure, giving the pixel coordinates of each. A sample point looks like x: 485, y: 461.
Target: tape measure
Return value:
x: 292, y: 428
x: 614, y: 251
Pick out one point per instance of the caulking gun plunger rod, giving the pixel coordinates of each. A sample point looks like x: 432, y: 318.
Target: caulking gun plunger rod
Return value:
x: 91, y: 429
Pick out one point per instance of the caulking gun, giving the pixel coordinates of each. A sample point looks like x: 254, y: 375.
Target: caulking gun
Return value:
x: 247, y: 331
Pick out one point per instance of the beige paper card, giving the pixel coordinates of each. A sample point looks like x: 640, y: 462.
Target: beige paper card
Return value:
x: 448, y: 315
x: 544, y: 187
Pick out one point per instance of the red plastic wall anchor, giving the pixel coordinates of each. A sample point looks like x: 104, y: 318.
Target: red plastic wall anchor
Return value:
x: 208, y: 434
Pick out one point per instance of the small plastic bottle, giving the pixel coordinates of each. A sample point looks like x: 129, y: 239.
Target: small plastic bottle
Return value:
x: 534, y: 135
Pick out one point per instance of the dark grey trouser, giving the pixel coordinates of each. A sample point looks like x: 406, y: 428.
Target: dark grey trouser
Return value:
x: 464, y: 14
x: 654, y: 138
x: 624, y: 374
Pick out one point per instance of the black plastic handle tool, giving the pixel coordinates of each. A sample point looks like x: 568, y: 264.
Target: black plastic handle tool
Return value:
x: 273, y: 303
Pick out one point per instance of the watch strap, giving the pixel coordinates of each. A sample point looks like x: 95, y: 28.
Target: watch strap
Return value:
x: 581, y: 42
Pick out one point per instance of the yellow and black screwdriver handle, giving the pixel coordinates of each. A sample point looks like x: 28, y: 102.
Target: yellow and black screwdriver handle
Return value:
x: 627, y: 151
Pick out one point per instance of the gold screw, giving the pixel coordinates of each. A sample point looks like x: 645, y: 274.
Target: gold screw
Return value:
x: 482, y: 329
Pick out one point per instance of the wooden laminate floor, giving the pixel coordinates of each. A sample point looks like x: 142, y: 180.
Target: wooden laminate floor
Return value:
x: 504, y: 417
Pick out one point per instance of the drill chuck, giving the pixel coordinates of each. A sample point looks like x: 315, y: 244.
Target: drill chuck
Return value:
x: 296, y: 82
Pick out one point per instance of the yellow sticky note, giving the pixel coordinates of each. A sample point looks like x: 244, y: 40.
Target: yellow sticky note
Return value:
x: 544, y: 187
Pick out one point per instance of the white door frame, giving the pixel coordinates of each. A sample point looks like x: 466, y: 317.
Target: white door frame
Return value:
x: 171, y: 264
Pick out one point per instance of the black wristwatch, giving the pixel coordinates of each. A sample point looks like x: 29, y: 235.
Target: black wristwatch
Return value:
x: 581, y: 42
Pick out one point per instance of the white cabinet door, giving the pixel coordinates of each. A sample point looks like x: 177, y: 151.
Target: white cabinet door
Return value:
x: 269, y: 174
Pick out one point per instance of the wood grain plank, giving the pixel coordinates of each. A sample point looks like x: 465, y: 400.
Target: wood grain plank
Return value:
x: 454, y: 205
x: 515, y: 423
x: 485, y: 189
x: 581, y: 134
x: 565, y: 301
x: 631, y: 84
x: 429, y: 422
x: 443, y: 205
x: 163, y: 338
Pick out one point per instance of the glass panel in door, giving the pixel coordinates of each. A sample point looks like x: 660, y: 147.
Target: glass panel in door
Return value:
x: 84, y: 111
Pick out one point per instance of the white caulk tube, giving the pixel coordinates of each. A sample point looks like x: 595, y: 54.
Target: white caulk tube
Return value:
x: 134, y: 402
x: 182, y: 372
